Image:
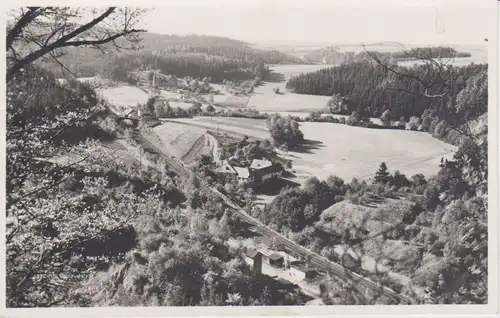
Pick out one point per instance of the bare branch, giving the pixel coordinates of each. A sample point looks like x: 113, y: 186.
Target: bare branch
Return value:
x: 26, y: 19
x: 72, y: 38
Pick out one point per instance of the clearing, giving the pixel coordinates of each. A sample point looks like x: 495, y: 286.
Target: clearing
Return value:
x: 265, y: 100
x: 124, y: 95
x: 343, y: 150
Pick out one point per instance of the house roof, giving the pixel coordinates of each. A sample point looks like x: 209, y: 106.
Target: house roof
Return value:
x: 258, y: 164
x: 242, y: 172
x: 130, y: 111
x: 226, y: 168
x: 275, y: 256
x: 265, y: 171
x: 252, y: 253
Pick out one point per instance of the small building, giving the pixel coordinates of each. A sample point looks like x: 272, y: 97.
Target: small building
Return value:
x: 254, y: 259
x: 273, y: 259
x: 262, y: 170
x: 300, y: 270
x: 131, y: 113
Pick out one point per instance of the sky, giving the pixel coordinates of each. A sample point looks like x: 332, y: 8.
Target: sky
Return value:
x: 431, y: 22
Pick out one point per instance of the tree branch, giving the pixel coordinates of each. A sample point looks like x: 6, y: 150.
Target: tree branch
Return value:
x: 21, y: 24
x: 65, y: 41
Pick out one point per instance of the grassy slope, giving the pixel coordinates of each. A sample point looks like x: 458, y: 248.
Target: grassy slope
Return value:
x: 177, y: 138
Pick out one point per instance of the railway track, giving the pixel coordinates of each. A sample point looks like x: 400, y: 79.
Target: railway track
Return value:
x: 319, y: 262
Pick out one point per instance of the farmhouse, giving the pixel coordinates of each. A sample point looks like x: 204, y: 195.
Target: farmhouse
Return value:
x: 301, y: 271
x: 262, y: 170
x: 254, y: 259
x: 259, y: 171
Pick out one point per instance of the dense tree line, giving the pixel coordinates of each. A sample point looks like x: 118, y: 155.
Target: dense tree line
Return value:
x: 368, y: 89
x: 194, y: 65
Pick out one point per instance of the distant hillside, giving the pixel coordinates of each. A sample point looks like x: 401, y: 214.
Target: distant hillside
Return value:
x: 334, y: 55
x: 86, y: 62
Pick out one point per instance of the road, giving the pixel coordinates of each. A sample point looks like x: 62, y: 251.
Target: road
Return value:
x: 315, y: 260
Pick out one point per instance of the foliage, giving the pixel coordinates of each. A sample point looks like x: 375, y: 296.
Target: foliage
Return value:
x: 216, y: 58
x: 285, y: 131
x: 332, y: 55
x: 44, y: 32
x: 64, y: 218
x: 382, y: 175
x: 366, y: 87
x: 296, y: 208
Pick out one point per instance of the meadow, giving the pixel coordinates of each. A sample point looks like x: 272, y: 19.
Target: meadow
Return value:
x: 265, y: 100
x: 124, y: 95
x: 178, y: 139
x: 345, y: 151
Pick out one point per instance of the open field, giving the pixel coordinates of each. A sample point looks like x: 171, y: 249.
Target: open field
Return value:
x: 178, y: 139
x: 349, y: 151
x: 182, y: 105
x: 124, y: 95
x: 236, y: 126
x: 184, y: 142
x: 343, y: 150
x: 264, y: 99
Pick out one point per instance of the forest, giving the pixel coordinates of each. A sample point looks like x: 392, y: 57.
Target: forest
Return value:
x: 370, y: 90
x: 192, y: 55
x: 194, y: 65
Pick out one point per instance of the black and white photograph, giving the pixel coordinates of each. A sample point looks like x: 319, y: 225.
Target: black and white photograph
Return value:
x: 199, y: 154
